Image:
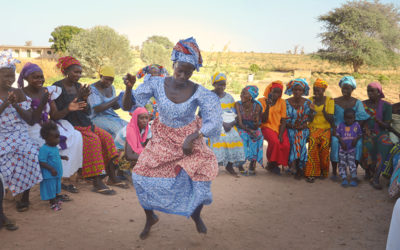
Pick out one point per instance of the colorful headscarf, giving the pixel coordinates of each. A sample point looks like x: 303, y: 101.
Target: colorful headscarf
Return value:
x: 319, y: 83
x: 146, y: 70
x: 107, y: 71
x: 273, y: 85
x: 28, y: 69
x: 299, y: 81
x: 348, y: 80
x: 133, y: 136
x: 253, y: 90
x: 66, y: 61
x: 217, y: 77
x: 187, y: 51
x: 378, y: 86
x: 7, y: 61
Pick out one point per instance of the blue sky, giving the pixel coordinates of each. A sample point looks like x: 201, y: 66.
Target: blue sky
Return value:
x: 247, y: 25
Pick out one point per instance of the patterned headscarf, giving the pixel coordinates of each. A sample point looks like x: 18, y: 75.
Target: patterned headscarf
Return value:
x: 319, y: 83
x: 28, y: 69
x: 66, y: 61
x: 348, y: 80
x: 299, y: 81
x: 107, y: 71
x: 146, y: 70
x: 7, y: 61
x: 378, y: 86
x: 253, y: 90
x: 187, y: 51
x: 217, y: 77
x: 272, y: 85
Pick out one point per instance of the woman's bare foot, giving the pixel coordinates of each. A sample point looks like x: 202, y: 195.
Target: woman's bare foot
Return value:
x: 231, y: 171
x: 150, y: 221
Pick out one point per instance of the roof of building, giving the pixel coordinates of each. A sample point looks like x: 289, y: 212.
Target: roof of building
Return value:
x: 24, y: 47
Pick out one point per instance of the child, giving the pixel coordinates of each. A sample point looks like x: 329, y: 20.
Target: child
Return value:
x: 137, y: 135
x: 348, y: 134
x: 50, y: 163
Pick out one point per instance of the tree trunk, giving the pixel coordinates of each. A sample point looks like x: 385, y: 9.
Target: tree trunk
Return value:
x: 356, y: 65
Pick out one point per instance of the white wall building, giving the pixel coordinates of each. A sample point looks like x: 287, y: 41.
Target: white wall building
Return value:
x: 30, y: 51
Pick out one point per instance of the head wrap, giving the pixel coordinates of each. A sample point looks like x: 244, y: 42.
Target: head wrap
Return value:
x: 146, y: 70
x: 319, y: 83
x: 7, y: 61
x: 378, y: 86
x: 217, y: 77
x: 348, y: 80
x: 66, y: 61
x: 187, y: 51
x: 107, y: 71
x: 253, y: 90
x: 28, y: 69
x: 273, y: 85
x: 133, y: 136
x: 299, y: 81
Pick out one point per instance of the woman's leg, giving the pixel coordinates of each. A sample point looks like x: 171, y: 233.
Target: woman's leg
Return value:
x: 196, y: 216
x: 229, y: 168
x: 23, y: 204
x: 151, y: 219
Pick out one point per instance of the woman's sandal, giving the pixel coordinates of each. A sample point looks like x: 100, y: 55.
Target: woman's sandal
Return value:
x: 252, y: 172
x: 105, y: 191
x: 63, y: 198
x: 376, y: 185
x: 9, y: 225
x: 119, y: 184
x: 70, y: 188
x: 310, y: 179
x: 22, y: 206
x: 56, y: 206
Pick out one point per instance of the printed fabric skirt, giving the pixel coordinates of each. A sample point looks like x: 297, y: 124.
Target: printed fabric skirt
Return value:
x: 298, y: 148
x: 228, y: 147
x: 253, y: 146
x: 319, y: 146
x: 169, y: 181
x: 98, y: 150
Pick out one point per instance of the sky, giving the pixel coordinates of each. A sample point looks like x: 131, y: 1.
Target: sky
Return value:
x: 243, y: 25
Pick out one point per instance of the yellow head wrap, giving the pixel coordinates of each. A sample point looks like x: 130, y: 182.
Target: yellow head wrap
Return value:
x: 107, y: 71
x: 217, y: 77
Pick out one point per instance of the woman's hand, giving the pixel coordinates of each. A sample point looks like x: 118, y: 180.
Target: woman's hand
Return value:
x: 129, y: 81
x: 53, y: 172
x: 84, y: 92
x: 75, y: 105
x: 12, y: 98
x: 187, y: 146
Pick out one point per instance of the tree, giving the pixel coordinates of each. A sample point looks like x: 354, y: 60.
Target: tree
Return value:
x: 362, y: 33
x: 157, y: 49
x: 99, y: 46
x: 62, y: 35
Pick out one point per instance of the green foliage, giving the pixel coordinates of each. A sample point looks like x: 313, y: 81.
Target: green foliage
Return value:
x: 362, y: 33
x: 157, y: 49
x: 254, y: 68
x: 61, y: 37
x: 101, y: 46
x: 383, y: 79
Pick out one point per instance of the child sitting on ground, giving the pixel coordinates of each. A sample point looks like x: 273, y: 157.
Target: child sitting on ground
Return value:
x: 50, y: 163
x: 348, y: 134
x: 137, y: 135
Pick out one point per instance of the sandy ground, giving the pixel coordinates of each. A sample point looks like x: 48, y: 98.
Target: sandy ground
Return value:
x: 261, y: 212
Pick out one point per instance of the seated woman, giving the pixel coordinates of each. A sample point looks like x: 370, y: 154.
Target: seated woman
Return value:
x: 299, y: 112
x: 103, y: 101
x: 71, y: 139
x: 19, y: 163
x: 347, y: 85
x: 273, y: 126
x: 319, y: 144
x: 249, y: 119
x: 137, y: 135
x: 228, y: 147
x: 376, y: 143
x: 99, y: 152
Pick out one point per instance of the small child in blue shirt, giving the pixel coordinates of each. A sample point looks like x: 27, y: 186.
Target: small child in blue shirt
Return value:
x: 50, y: 163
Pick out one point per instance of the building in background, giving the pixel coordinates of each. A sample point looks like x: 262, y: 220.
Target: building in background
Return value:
x: 30, y: 51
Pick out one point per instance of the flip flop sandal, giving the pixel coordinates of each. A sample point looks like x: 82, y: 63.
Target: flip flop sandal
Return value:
x: 310, y: 179
x: 22, y: 206
x: 63, y: 198
x: 345, y: 183
x: 56, y: 207
x: 375, y: 185
x: 105, y: 191
x: 10, y: 225
x: 120, y: 184
x: 252, y: 172
x: 70, y: 188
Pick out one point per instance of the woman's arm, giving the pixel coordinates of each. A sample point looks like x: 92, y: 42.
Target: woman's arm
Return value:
x: 265, y: 114
x: 239, y: 117
x: 130, y: 155
x: 106, y: 105
x: 282, y: 128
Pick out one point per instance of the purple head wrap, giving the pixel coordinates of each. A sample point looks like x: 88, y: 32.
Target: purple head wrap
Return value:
x: 28, y: 69
x: 378, y: 86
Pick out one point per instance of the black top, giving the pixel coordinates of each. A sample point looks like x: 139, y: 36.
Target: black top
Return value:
x: 76, y: 118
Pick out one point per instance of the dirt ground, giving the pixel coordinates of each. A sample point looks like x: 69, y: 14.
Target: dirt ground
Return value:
x: 261, y: 212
